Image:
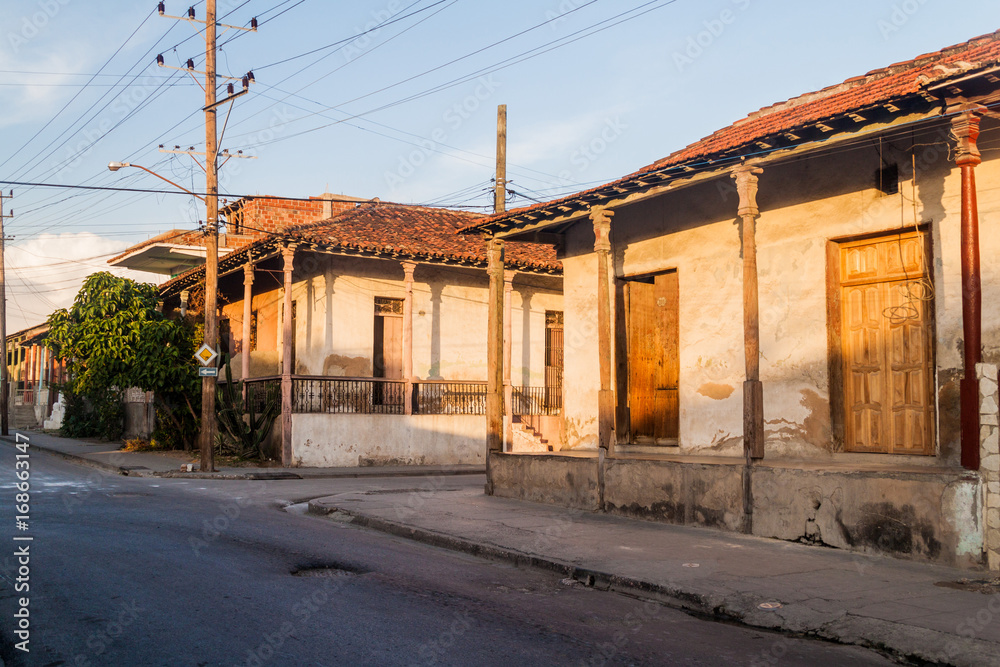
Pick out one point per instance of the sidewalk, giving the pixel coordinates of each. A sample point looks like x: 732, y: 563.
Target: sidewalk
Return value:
x: 104, y: 455
x: 915, y: 611
x: 911, y: 610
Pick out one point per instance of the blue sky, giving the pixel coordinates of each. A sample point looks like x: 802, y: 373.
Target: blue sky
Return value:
x: 406, y: 112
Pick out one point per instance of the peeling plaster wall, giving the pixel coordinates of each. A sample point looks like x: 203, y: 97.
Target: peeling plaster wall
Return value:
x: 919, y: 516
x: 349, y: 440
x: 804, y: 203
x: 582, y: 372
x: 989, y: 418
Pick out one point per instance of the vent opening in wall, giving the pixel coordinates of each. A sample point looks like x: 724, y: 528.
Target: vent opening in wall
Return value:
x: 887, y: 179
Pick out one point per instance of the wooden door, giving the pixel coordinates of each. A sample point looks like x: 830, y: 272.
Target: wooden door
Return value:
x: 887, y: 315
x: 653, y: 359
x: 388, y: 343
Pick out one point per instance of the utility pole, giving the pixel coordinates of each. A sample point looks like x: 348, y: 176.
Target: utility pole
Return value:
x: 500, y: 194
x: 208, y: 426
x: 4, y: 380
x: 206, y: 437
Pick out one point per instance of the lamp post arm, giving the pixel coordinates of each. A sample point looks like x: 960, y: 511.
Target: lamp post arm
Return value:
x: 179, y: 187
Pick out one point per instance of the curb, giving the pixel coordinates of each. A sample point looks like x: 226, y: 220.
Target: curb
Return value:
x: 914, y: 645
x: 277, y: 475
x: 73, y: 458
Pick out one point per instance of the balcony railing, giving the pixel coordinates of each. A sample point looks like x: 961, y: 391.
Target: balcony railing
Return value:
x: 353, y: 395
x: 543, y: 401
x: 258, y: 390
x: 347, y: 395
x: 450, y: 398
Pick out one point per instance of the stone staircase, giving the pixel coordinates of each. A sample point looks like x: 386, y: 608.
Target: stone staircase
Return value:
x: 528, y: 434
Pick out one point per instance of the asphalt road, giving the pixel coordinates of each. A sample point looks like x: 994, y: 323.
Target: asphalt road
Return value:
x: 128, y: 571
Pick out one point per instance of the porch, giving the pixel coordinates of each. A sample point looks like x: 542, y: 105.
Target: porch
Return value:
x: 367, y: 421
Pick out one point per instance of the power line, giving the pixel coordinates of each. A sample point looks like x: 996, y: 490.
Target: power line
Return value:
x: 58, y: 113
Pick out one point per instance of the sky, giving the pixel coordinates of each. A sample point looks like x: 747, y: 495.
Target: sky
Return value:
x: 393, y: 99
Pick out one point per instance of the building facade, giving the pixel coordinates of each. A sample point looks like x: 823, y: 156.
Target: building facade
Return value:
x: 374, y: 324
x: 791, y: 328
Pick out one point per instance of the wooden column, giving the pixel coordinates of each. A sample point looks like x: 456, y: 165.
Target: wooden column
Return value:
x: 601, y: 217
x: 185, y: 295
x: 494, y: 356
x: 288, y: 255
x: 408, y: 268
x: 508, y: 391
x: 753, y: 390
x: 965, y: 126
x: 247, y: 321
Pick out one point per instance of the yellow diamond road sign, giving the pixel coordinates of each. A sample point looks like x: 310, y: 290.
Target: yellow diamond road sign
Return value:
x: 205, y: 355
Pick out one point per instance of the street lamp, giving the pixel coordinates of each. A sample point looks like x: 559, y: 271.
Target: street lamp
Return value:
x: 207, y: 435
x: 115, y: 166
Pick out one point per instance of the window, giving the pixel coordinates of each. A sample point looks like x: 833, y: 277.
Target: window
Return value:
x: 553, y: 358
x: 650, y: 344
x: 886, y: 344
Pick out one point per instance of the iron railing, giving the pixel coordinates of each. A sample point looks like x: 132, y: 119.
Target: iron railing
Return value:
x: 258, y: 389
x: 347, y: 395
x: 536, y: 401
x: 339, y: 395
x: 450, y: 398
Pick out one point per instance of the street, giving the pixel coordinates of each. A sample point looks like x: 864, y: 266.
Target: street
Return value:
x: 130, y: 571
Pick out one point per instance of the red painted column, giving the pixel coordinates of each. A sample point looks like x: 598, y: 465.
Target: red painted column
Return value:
x: 965, y: 126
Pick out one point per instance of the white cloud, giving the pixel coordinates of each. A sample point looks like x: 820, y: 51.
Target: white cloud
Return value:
x: 45, y: 274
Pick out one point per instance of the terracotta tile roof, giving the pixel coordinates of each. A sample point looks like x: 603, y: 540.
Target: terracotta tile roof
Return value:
x: 387, y: 230
x: 878, y: 88
x: 419, y: 232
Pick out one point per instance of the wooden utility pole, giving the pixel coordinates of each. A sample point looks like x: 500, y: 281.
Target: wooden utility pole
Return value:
x: 206, y: 438
x: 4, y: 380
x: 500, y: 194
x: 494, y: 336
x: 208, y: 426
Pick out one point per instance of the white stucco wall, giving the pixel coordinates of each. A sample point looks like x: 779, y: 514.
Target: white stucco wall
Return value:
x: 804, y: 203
x: 335, y: 299
x: 349, y: 440
x: 335, y: 312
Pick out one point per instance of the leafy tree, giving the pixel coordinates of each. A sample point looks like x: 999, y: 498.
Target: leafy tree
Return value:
x: 112, y: 338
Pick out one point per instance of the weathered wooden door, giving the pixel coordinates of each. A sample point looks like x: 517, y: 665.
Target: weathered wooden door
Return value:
x: 653, y: 359
x: 388, y: 344
x: 887, y: 322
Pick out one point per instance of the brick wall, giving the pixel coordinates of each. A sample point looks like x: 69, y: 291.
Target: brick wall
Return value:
x: 267, y: 216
